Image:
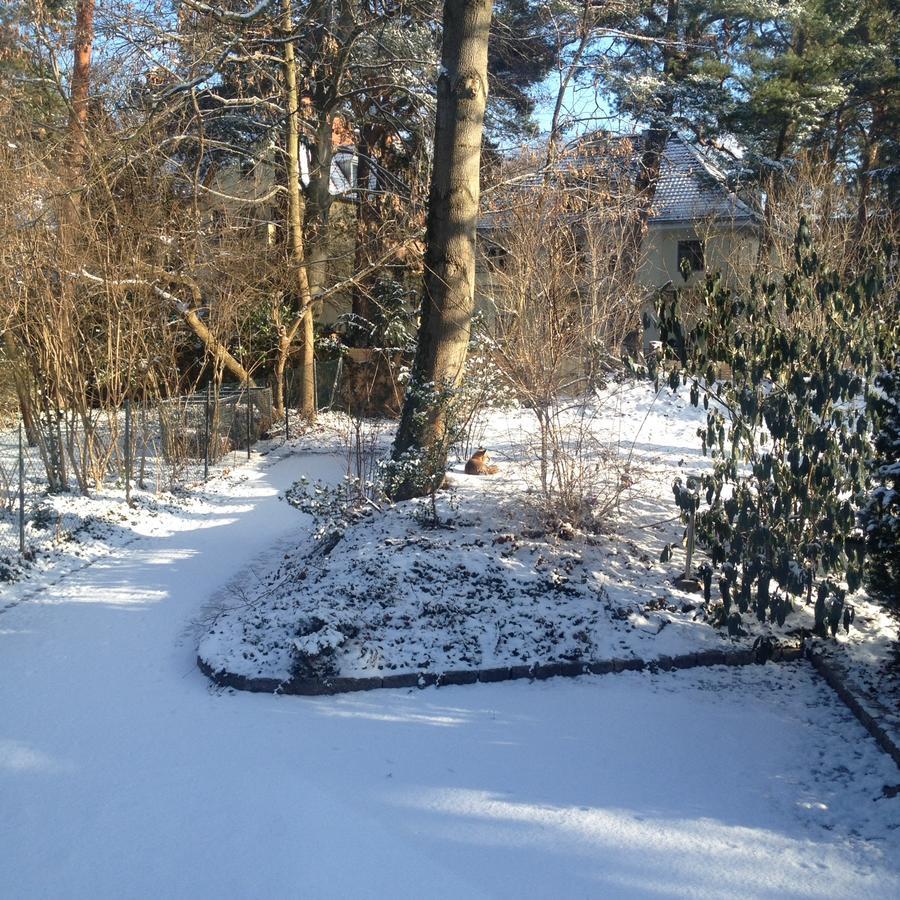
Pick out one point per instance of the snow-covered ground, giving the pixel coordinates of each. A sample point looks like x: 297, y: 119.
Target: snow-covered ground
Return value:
x: 494, y: 583
x: 123, y: 773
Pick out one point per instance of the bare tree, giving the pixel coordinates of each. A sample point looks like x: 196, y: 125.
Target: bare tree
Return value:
x: 560, y: 308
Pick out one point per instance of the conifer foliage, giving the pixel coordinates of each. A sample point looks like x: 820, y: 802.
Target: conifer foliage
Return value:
x: 787, y: 373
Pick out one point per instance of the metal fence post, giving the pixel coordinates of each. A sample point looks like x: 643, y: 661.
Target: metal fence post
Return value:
x: 315, y: 385
x: 21, y: 493
x: 206, y: 430
x: 128, y: 451
x: 248, y: 418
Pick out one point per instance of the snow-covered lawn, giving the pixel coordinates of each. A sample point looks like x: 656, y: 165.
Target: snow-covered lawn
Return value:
x: 124, y: 774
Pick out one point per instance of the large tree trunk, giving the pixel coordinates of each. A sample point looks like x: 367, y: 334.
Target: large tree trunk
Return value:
x: 449, y: 281
x: 869, y: 160
x: 645, y: 185
x: 315, y: 231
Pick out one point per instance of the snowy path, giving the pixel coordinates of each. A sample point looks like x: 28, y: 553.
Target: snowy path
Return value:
x: 122, y: 774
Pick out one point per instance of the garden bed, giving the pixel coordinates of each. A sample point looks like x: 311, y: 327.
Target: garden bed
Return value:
x: 481, y: 580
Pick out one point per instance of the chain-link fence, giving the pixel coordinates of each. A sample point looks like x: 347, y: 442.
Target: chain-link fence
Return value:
x: 328, y: 380
x: 161, y: 447
x: 365, y: 382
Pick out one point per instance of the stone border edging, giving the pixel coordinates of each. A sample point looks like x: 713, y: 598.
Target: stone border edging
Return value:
x: 866, y: 719
x: 340, y: 684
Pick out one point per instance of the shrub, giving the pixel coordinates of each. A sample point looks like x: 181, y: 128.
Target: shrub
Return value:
x: 880, y: 517
x: 785, y: 372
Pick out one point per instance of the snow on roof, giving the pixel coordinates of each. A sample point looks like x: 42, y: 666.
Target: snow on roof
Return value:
x: 691, y: 187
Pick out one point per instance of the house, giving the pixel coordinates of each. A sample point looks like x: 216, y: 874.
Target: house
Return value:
x: 697, y: 223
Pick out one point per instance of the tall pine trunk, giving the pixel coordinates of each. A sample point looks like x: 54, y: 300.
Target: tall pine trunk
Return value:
x: 296, y: 215
x: 448, y: 293
x: 81, y: 78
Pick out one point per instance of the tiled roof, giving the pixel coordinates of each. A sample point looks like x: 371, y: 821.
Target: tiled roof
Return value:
x: 690, y: 188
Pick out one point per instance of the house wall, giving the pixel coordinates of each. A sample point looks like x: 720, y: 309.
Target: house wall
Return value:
x: 730, y: 251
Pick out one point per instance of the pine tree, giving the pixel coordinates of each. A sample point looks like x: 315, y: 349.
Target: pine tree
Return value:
x: 448, y: 295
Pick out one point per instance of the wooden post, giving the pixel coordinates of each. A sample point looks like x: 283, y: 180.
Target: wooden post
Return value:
x: 21, y: 493
x: 128, y: 451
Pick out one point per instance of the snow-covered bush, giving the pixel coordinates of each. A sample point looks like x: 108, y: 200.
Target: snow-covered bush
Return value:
x: 334, y: 508
x: 880, y: 518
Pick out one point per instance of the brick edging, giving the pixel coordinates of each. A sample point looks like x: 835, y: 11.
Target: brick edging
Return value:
x: 866, y: 719
x: 340, y: 685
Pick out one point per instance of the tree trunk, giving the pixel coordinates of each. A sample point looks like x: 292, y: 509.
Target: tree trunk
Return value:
x: 295, y: 222
x: 218, y: 351
x: 367, y: 225
x: 315, y: 232
x: 645, y: 184
x: 81, y: 76
x: 449, y: 281
x: 655, y: 141
x: 869, y: 160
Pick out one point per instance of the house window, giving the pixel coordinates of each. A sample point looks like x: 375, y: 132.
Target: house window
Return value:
x: 496, y: 256
x: 690, y: 257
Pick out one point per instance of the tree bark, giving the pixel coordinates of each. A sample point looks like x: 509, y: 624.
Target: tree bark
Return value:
x: 81, y: 78
x: 315, y: 232
x: 295, y: 222
x: 449, y: 281
x: 214, y: 348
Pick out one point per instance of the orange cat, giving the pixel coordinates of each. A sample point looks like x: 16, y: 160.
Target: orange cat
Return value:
x: 478, y: 464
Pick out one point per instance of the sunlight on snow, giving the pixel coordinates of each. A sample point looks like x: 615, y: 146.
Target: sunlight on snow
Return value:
x: 18, y: 757
x: 686, y: 846
x: 412, y: 718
